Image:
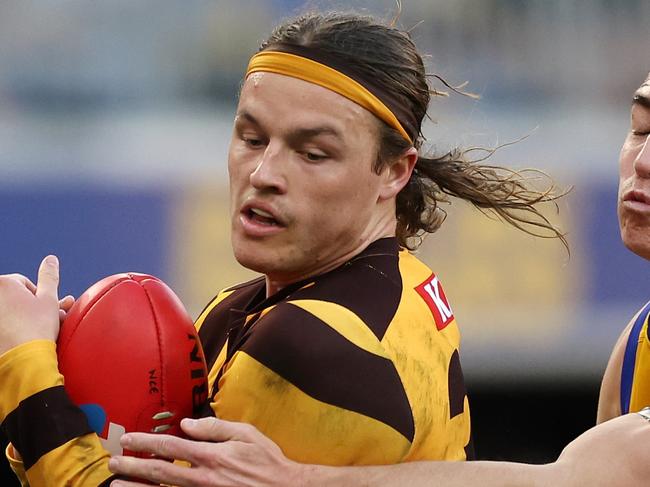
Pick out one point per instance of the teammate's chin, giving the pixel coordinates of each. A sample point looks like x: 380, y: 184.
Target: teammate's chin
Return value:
x: 636, y: 236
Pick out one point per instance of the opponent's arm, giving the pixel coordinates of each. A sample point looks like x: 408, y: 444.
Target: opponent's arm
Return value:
x: 237, y: 455
x: 234, y: 454
x: 609, y: 401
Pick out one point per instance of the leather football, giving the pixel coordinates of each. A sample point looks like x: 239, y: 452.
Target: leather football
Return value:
x: 131, y: 358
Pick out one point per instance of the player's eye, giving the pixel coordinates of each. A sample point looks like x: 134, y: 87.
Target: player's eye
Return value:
x: 252, y: 141
x: 640, y: 124
x: 314, y: 157
x: 312, y: 153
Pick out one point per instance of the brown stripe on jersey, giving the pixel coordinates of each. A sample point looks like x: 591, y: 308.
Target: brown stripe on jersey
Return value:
x: 456, y: 386
x: 369, y: 285
x: 312, y: 356
x: 469, y: 449
x: 217, y: 324
x: 43, y: 422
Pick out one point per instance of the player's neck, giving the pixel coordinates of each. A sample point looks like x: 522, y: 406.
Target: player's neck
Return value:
x: 276, y: 282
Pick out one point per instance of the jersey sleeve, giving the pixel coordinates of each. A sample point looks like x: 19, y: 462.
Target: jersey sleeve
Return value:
x: 51, y: 433
x: 316, y: 380
x: 635, y: 390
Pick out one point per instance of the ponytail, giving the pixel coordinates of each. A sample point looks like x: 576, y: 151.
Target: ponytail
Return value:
x: 510, y: 195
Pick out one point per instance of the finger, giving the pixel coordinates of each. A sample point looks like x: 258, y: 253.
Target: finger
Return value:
x: 13, y: 453
x: 151, y: 469
x: 24, y: 281
x: 48, y: 278
x: 214, y: 429
x: 165, y: 446
x: 127, y: 483
x: 62, y: 315
x: 66, y: 303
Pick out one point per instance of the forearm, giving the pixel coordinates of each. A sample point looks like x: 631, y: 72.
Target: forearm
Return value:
x: 436, y: 474
x: 50, y: 433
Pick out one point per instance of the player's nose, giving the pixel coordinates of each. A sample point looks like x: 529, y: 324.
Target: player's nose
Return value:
x: 270, y: 172
x: 642, y: 160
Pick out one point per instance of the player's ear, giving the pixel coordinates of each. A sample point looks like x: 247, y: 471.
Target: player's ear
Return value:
x: 397, y: 173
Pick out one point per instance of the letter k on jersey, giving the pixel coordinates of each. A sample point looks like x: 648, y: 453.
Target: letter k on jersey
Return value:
x: 431, y: 291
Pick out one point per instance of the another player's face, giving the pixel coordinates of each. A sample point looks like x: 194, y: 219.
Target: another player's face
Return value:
x: 304, y: 197
x: 634, y: 183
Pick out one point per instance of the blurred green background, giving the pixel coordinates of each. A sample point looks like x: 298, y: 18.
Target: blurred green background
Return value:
x: 115, y: 118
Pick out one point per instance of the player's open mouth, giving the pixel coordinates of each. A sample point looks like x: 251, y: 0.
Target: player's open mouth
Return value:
x: 262, y: 217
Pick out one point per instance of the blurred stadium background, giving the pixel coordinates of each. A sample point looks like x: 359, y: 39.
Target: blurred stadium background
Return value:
x: 115, y: 118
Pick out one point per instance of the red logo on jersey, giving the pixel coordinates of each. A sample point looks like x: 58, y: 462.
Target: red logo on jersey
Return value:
x: 431, y: 291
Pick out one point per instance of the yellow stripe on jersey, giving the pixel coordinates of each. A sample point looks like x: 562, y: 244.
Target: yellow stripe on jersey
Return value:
x: 414, y: 272
x: 81, y: 461
x: 307, y: 430
x: 37, y: 355
x: 345, y: 322
x: 640, y: 396
x: 214, y: 371
x: 415, y: 345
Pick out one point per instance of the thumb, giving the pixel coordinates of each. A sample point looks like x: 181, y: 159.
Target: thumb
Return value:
x: 48, y: 278
x: 213, y: 429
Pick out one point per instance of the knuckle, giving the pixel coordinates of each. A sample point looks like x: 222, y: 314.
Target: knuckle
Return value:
x: 9, y: 283
x: 209, y: 421
x: 10, y: 278
x: 163, y: 446
x: 156, y: 470
x: 249, y: 429
x: 204, y: 455
x: 206, y: 481
x: 166, y: 446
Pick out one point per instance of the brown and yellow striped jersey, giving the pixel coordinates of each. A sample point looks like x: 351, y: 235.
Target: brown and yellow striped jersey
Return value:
x: 356, y: 366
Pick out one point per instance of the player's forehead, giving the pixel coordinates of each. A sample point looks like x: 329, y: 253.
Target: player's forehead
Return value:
x: 284, y: 100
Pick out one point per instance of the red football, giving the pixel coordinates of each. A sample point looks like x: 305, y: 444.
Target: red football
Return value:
x: 131, y: 358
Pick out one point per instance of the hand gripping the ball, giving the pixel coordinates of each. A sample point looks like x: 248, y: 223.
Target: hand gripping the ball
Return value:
x: 31, y: 312
x: 222, y: 453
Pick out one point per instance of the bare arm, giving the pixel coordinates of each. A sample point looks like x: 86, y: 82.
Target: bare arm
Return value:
x: 234, y: 454
x: 430, y: 474
x: 240, y: 456
x: 609, y: 401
